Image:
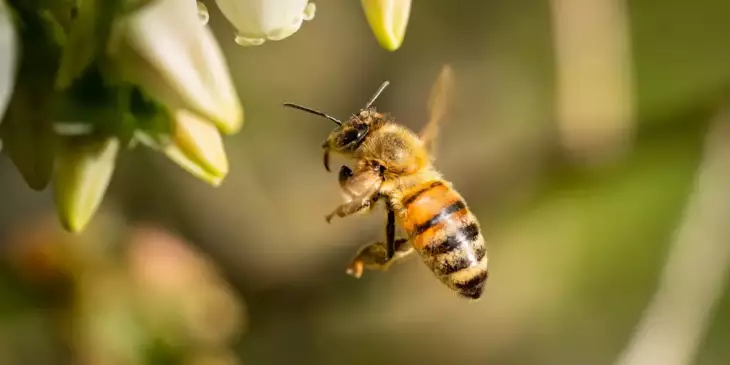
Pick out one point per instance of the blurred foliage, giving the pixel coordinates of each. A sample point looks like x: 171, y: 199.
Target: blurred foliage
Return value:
x: 78, y: 86
x: 142, y: 297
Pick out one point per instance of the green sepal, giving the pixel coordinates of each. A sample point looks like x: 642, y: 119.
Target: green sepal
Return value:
x: 29, y: 140
x: 89, y: 100
x: 151, y: 119
x: 87, y: 39
x: 26, y: 130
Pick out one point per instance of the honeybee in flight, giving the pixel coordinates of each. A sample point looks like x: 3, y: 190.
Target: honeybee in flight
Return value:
x: 396, y: 165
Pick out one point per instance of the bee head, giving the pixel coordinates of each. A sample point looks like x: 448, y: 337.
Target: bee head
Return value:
x: 348, y: 135
x: 347, y: 138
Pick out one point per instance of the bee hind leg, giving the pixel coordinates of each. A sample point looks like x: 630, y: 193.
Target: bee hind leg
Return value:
x: 390, y: 235
x: 378, y: 255
x: 375, y: 257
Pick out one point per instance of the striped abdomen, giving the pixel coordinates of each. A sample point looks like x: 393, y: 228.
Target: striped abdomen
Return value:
x: 447, y: 235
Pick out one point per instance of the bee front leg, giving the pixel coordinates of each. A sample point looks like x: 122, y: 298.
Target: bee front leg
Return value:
x: 357, y: 204
x: 344, y: 176
x: 361, y: 190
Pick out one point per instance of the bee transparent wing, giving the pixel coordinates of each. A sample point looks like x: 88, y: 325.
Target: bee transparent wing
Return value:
x: 439, y: 101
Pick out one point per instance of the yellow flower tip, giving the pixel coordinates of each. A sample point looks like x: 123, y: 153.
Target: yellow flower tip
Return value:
x: 198, y: 148
x: 388, y: 20
x: 83, y: 175
x: 73, y: 226
x: 176, y: 155
x: 309, y: 11
x: 231, y: 120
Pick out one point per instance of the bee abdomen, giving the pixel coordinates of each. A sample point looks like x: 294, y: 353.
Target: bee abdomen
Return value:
x: 460, y: 258
x: 448, y: 237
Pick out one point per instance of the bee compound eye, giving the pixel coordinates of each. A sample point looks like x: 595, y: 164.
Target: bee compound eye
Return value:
x: 350, y: 136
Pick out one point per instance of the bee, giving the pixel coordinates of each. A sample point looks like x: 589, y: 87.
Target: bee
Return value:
x: 396, y: 165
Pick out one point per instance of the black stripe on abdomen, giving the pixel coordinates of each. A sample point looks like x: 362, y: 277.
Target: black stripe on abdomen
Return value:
x: 459, y: 251
x: 474, y: 287
x: 411, y: 198
x: 470, y: 232
x: 440, y: 216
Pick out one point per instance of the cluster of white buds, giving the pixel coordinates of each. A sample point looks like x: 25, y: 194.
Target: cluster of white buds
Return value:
x: 83, y: 80
x: 258, y: 21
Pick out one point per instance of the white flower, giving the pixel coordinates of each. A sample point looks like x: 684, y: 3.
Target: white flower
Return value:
x: 257, y: 21
x: 164, y: 48
x: 8, y: 50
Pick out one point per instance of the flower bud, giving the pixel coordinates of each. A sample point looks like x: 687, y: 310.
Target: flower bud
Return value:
x: 198, y: 148
x: 388, y: 19
x: 84, y: 169
x: 258, y: 21
x: 164, y: 48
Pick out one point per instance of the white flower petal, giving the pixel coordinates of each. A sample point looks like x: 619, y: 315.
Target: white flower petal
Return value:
x: 178, y: 61
x: 203, y: 13
x: 179, y: 157
x: 257, y: 21
x: 8, y: 58
x: 201, y: 143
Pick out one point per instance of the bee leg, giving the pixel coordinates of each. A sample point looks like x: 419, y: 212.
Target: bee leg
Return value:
x: 390, y: 235
x: 345, y: 174
x: 351, y: 208
x: 374, y: 257
x: 357, y: 201
x: 379, y: 256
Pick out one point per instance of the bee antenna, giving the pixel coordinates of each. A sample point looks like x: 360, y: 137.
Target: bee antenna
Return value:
x: 315, y: 112
x: 377, y: 93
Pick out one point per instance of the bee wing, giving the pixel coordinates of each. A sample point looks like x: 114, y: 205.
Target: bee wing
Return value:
x: 438, y: 104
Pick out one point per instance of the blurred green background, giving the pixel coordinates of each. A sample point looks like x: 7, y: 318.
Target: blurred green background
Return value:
x: 579, y: 216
